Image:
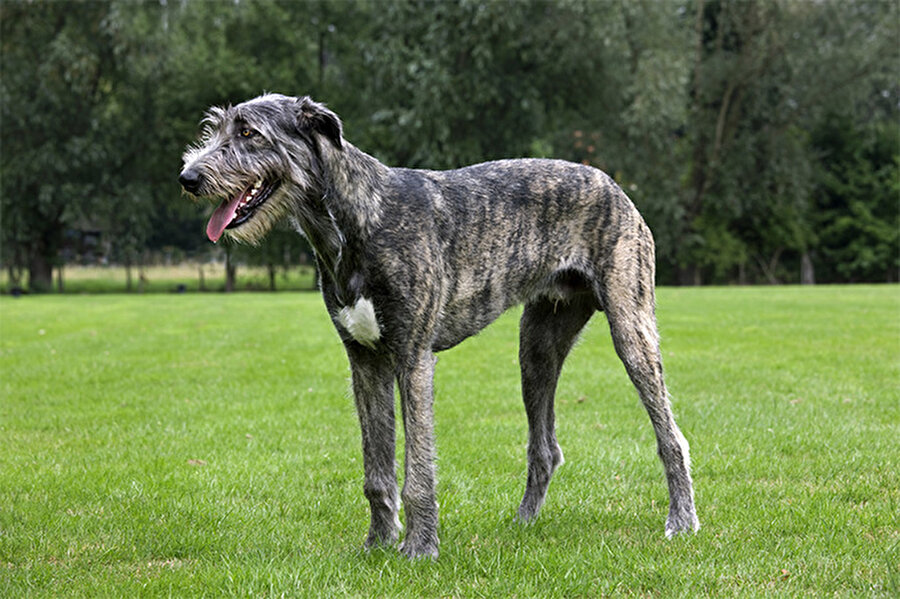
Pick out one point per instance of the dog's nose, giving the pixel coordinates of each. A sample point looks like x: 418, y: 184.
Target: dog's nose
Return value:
x: 190, y: 180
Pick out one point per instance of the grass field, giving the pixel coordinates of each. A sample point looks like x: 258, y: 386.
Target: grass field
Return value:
x: 169, y: 279
x: 206, y: 445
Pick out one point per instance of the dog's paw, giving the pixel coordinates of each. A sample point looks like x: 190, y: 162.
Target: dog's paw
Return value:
x: 416, y: 548
x: 381, y: 539
x: 681, y: 522
x: 528, y: 511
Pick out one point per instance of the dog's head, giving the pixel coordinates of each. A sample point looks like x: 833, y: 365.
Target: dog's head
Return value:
x: 255, y: 159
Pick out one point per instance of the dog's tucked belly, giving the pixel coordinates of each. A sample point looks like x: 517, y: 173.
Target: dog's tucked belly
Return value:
x: 465, y: 316
x: 460, y: 322
x: 468, y: 313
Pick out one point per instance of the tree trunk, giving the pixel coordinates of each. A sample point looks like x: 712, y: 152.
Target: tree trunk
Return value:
x: 230, y: 276
x: 230, y: 271
x: 128, y: 283
x: 40, y: 272
x: 271, y: 267
x: 689, y: 276
x: 770, y: 269
x: 807, y: 270
x: 142, y: 279
x: 14, y: 271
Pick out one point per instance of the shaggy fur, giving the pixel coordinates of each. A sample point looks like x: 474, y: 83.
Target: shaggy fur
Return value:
x: 413, y: 262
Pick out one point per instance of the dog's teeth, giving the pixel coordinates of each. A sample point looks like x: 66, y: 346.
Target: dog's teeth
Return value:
x: 257, y: 185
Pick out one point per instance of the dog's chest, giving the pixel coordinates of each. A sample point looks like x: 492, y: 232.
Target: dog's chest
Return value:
x: 360, y: 322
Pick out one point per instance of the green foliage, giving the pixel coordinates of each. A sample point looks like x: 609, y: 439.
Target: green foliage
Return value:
x: 710, y: 113
x: 204, y: 446
x: 461, y: 82
x: 57, y: 66
x: 765, y: 73
x: 856, y: 200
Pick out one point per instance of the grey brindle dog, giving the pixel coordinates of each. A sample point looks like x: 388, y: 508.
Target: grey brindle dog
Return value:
x: 412, y: 262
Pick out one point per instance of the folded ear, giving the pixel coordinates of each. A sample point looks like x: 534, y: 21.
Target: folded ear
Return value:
x: 313, y: 117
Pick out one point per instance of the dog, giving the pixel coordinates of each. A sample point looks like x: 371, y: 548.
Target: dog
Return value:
x: 413, y: 262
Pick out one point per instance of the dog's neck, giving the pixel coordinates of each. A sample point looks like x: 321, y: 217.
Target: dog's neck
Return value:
x: 346, y: 207
x: 353, y: 181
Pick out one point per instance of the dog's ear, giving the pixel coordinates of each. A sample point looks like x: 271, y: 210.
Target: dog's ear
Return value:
x: 313, y: 117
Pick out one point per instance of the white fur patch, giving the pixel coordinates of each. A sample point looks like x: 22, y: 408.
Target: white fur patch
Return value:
x: 360, y: 322
x: 685, y: 449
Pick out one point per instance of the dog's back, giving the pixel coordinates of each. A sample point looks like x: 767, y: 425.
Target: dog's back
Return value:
x: 508, y: 231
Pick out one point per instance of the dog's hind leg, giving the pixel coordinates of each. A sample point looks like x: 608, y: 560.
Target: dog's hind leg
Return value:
x: 373, y: 388
x: 547, y: 332
x: 627, y: 294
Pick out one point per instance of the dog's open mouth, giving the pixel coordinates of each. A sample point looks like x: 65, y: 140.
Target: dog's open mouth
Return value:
x: 236, y: 211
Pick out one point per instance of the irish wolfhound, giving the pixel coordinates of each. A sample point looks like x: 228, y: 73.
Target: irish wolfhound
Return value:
x: 414, y: 261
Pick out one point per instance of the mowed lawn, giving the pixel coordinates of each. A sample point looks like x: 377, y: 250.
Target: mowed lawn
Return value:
x: 207, y: 445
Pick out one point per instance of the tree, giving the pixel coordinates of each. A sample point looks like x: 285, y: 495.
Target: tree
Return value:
x: 755, y: 137
x: 856, y: 196
x: 57, y: 68
x: 457, y: 83
x: 764, y: 74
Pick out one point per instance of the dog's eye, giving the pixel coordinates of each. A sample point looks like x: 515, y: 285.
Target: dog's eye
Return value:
x: 247, y: 132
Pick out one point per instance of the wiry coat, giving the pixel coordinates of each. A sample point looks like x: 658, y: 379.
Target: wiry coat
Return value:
x: 414, y: 261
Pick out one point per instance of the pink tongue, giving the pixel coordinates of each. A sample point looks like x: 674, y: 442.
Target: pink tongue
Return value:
x: 223, y: 215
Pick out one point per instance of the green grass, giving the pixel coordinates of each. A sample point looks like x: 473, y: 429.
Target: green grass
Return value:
x: 169, y: 279
x: 206, y: 445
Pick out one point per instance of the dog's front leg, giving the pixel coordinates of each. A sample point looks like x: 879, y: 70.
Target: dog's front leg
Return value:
x: 416, y: 377
x: 373, y: 388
